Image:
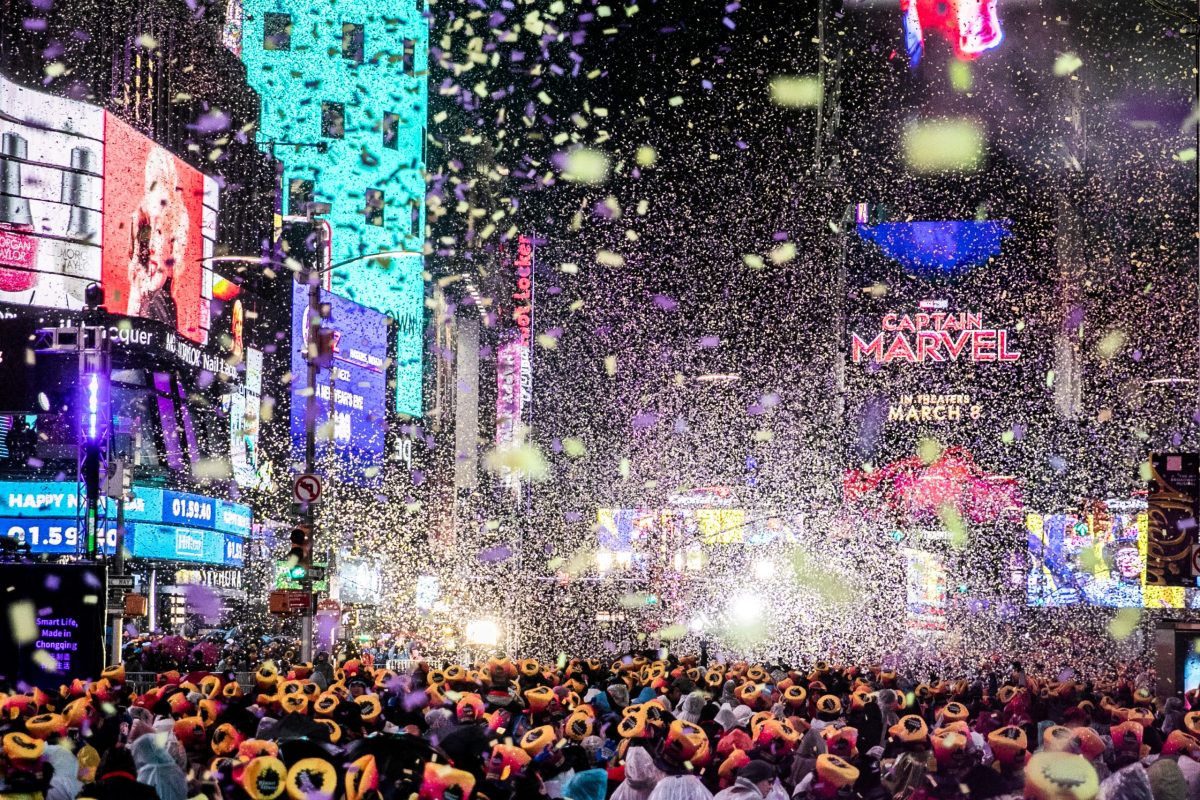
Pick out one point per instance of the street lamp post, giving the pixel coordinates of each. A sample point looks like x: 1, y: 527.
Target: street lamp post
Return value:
x: 312, y: 276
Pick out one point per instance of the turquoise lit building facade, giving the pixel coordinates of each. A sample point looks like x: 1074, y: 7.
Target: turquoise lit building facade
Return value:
x: 349, y: 81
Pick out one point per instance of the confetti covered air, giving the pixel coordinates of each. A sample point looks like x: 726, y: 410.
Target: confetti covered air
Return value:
x: 599, y: 347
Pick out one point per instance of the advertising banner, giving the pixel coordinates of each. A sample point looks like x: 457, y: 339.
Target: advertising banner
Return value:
x: 54, y: 625
x: 1174, y: 500
x: 249, y: 468
x: 356, y: 382
x: 159, y: 524
x: 514, y: 358
x: 1094, y: 558
x: 51, y: 176
x: 956, y: 352
x: 87, y: 199
x: 159, y: 226
x: 925, y: 582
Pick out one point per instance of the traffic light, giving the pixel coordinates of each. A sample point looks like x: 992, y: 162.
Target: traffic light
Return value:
x: 299, y: 558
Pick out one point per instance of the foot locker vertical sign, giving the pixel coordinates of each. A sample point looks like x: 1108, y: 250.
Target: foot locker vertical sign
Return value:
x: 1172, y: 502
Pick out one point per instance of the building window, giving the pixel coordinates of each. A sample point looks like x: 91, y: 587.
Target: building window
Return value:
x: 391, y: 130
x: 353, y: 42
x: 277, y: 32
x: 414, y: 214
x: 374, y: 209
x: 410, y: 50
x: 300, y: 195
x: 333, y: 120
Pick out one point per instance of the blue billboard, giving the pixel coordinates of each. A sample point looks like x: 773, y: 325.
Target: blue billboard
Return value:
x: 159, y: 524
x: 352, y: 447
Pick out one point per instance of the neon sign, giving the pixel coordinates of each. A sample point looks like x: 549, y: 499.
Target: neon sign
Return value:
x: 936, y: 336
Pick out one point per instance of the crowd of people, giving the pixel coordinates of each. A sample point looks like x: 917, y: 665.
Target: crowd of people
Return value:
x: 639, y: 728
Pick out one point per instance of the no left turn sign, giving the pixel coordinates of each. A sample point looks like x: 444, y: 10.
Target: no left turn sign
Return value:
x: 306, y: 489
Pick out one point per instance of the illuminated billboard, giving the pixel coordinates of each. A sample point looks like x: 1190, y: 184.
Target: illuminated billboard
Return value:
x: 1094, y: 558
x: 925, y: 591
x: 87, y: 199
x: 160, y: 219
x: 51, y: 186
x: 366, y: 106
x: 353, y: 445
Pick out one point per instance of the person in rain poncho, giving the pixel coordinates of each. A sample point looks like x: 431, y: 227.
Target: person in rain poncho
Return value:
x: 591, y: 784
x: 690, y: 707
x: 641, y: 776
x: 65, y: 783
x: 680, y: 787
x: 157, y: 767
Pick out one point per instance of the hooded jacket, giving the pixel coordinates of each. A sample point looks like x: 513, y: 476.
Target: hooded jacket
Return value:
x: 156, y: 767
x: 641, y: 775
x: 65, y: 783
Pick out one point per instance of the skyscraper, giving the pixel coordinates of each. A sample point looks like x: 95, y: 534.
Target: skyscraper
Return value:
x: 344, y: 92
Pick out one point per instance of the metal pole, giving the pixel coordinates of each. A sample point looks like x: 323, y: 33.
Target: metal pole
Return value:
x: 119, y: 568
x: 310, y: 451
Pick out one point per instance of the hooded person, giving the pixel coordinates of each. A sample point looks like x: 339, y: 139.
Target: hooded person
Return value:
x: 157, y: 767
x: 116, y: 779
x: 680, y: 787
x: 64, y: 783
x: 726, y: 718
x: 591, y: 784
x: 641, y: 776
x: 690, y: 707
x: 753, y: 781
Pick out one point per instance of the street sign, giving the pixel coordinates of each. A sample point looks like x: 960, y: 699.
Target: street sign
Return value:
x: 306, y: 489
x: 124, y: 582
x: 290, y: 601
x: 316, y: 573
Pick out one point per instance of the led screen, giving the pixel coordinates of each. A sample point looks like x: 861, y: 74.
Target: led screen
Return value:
x: 159, y: 225
x: 54, y: 625
x: 51, y: 174
x: 352, y: 448
x: 1097, y: 559
x: 925, y: 591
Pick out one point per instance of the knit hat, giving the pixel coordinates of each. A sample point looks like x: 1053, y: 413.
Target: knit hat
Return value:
x: 1060, y: 776
x: 756, y: 771
x: 1167, y: 780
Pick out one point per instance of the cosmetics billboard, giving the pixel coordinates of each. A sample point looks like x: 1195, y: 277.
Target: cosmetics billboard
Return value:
x: 160, y: 218
x: 51, y: 175
x: 84, y: 198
